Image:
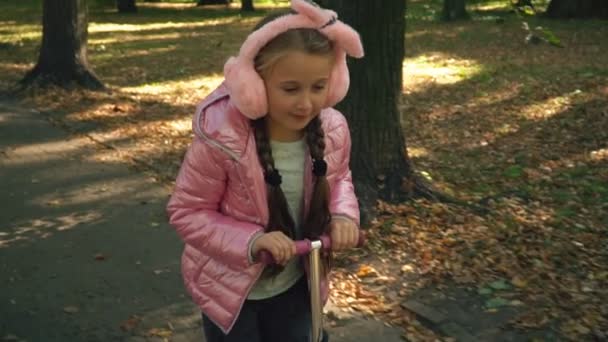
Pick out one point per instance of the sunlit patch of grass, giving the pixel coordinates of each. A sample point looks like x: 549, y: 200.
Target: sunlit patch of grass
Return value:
x: 182, y: 125
x: 542, y: 110
x: 423, y: 10
x: 437, y: 68
x: 599, y: 155
x: 203, y: 84
x: 19, y: 33
x: 495, y: 5
x: 417, y: 151
x: 101, y: 55
x: 235, y: 4
x: 141, y: 27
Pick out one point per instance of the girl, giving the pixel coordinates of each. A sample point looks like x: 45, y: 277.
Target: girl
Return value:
x: 269, y: 165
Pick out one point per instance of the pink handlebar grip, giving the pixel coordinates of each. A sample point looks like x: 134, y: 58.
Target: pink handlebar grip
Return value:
x: 304, y: 247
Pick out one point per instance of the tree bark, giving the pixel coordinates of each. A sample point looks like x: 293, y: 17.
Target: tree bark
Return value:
x: 379, y: 159
x: 247, y: 6
x: 63, y: 55
x: 577, y: 9
x: 454, y: 10
x: 126, y: 6
x: 323, y: 3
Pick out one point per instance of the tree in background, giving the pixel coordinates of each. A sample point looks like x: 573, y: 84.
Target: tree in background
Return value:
x: 247, y: 6
x: 454, y: 10
x: 126, y: 6
x: 379, y: 160
x: 578, y: 9
x: 63, y: 55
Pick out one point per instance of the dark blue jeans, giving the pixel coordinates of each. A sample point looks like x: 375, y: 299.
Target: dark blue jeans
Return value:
x: 282, y: 318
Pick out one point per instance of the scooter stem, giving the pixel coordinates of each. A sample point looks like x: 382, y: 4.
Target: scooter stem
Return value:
x: 315, y: 291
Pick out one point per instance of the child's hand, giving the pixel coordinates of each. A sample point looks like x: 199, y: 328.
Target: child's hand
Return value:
x: 344, y: 234
x: 278, y: 244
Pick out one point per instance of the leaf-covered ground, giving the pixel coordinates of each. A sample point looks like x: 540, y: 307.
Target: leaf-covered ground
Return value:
x: 518, y: 130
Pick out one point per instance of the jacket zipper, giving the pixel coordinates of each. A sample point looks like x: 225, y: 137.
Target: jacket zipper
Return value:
x: 199, y: 132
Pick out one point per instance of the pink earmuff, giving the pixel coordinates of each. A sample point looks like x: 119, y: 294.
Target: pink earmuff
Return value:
x: 246, y: 87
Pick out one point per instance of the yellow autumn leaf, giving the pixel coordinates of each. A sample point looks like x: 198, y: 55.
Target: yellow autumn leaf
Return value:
x: 411, y: 221
x: 517, y: 281
x: 160, y: 332
x: 366, y: 271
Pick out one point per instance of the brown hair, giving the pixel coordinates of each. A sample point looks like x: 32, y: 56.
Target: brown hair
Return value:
x: 310, y: 41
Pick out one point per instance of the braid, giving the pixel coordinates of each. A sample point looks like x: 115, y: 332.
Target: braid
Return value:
x: 315, y: 138
x: 263, y: 145
x: 318, y: 218
x: 278, y: 210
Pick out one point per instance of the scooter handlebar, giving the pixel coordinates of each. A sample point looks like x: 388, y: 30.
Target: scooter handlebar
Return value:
x: 304, y: 247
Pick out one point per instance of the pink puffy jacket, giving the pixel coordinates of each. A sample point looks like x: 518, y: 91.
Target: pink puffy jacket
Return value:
x: 219, y: 203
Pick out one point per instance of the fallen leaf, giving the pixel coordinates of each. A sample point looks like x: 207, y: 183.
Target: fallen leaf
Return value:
x: 130, y: 323
x: 160, y: 332
x: 71, y: 309
x: 499, y: 285
x: 517, y: 281
x: 485, y: 291
x: 407, y: 268
x: 582, y: 329
x: 53, y: 203
x: 366, y: 271
x: 496, y: 302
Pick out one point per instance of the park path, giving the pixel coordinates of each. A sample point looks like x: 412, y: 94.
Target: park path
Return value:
x: 86, y: 253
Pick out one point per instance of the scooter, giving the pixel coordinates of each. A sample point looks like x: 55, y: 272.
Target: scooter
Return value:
x: 313, y: 249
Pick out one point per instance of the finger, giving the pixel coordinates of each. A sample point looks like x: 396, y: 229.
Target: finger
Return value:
x: 285, y: 252
x: 291, y: 248
x: 340, y: 236
x: 335, y: 238
x: 355, y: 236
x: 280, y: 244
x: 278, y: 254
x: 346, y: 235
x: 352, y: 236
x: 288, y: 247
x: 277, y: 244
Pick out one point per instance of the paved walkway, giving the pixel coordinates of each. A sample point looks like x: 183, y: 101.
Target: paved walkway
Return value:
x: 86, y: 253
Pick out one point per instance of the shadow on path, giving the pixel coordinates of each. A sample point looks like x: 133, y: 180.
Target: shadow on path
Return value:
x: 86, y: 253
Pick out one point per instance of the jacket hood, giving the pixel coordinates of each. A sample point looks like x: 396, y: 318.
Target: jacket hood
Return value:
x: 217, y: 120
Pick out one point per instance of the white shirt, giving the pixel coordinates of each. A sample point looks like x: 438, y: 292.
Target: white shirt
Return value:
x: 289, y: 161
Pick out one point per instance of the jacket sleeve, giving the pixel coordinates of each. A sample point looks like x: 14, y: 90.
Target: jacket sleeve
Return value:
x: 194, y: 208
x: 343, y: 201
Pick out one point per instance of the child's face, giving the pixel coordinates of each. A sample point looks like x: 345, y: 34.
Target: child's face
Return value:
x: 296, y: 87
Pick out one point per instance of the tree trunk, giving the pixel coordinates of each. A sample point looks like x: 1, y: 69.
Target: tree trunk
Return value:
x: 63, y: 55
x: 454, y: 10
x: 126, y: 6
x: 323, y: 3
x: 578, y: 9
x: 379, y: 160
x: 247, y: 6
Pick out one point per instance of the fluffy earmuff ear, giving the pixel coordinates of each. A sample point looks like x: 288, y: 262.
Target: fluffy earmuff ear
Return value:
x: 339, y: 80
x: 313, y: 11
x: 246, y: 87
